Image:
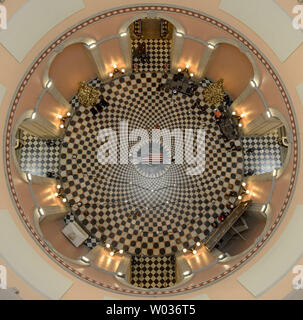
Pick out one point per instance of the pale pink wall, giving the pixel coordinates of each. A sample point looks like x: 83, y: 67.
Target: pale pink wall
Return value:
x: 70, y: 67
x: 191, y: 54
x: 230, y: 64
x: 111, y: 54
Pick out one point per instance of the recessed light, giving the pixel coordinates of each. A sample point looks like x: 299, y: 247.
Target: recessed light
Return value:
x: 211, y: 46
x: 253, y: 83
x: 84, y: 259
x: 49, y: 84
x: 179, y: 34
x: 92, y: 45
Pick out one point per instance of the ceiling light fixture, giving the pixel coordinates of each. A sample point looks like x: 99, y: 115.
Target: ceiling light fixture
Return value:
x: 211, y: 46
x: 84, y: 259
x: 92, y: 45
x: 49, y: 84
x: 263, y: 209
x: 253, y: 83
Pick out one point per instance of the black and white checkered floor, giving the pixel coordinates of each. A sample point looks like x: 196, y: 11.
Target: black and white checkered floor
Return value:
x: 117, y: 204
x: 261, y: 154
x: 37, y: 157
x: 153, y: 272
x: 158, y: 51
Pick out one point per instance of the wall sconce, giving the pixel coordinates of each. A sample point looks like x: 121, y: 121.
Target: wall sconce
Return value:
x: 268, y: 114
x: 186, y: 71
x: 238, y: 118
x: 245, y: 191
x: 59, y: 195
x: 29, y: 177
x: 123, y: 34
x: 34, y: 114
x: 63, y: 119
x: 116, y: 71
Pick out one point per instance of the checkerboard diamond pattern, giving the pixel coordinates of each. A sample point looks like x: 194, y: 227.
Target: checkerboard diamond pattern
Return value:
x: 153, y: 272
x: 141, y: 215
x: 158, y: 51
x: 37, y: 157
x: 262, y: 154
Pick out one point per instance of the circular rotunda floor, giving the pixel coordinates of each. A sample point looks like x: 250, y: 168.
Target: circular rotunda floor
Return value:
x: 142, y: 214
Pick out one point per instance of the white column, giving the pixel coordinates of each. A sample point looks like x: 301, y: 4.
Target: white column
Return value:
x: 126, y: 49
x: 58, y: 96
x: 208, y: 54
x: 176, y: 51
x: 95, y: 56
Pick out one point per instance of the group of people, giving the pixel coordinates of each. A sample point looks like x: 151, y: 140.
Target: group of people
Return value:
x: 99, y: 107
x: 141, y: 53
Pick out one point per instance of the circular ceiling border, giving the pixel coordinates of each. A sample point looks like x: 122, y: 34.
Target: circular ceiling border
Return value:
x: 168, y: 9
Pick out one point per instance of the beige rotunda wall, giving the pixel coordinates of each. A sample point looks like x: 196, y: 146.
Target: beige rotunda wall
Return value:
x: 219, y: 289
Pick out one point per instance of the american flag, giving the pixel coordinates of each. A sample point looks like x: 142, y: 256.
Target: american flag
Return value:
x: 152, y: 157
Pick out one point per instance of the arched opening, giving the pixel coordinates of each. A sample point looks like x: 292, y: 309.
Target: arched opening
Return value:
x: 231, y: 65
x: 151, y: 40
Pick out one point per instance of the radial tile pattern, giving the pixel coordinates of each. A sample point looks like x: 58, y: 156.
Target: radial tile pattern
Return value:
x: 115, y: 204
